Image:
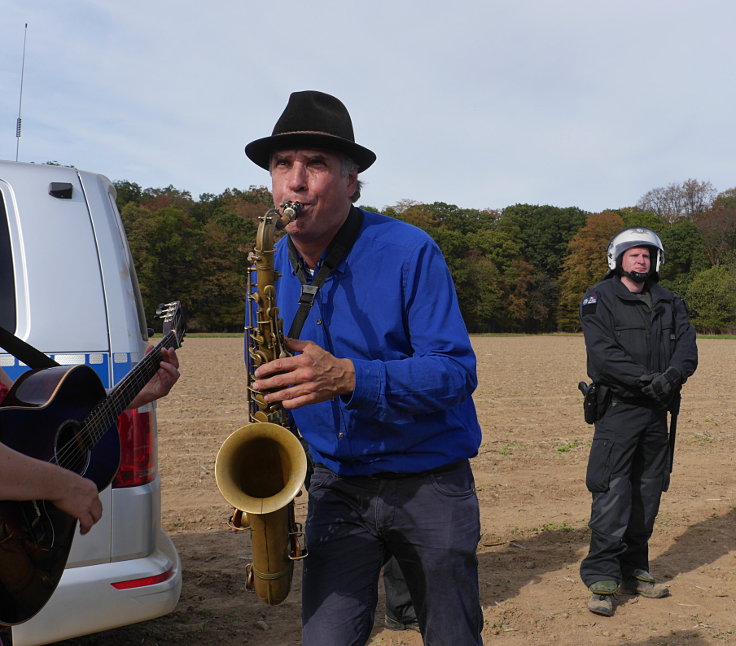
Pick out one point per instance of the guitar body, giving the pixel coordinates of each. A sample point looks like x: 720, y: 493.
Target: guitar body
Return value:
x: 62, y: 415
x: 41, y: 417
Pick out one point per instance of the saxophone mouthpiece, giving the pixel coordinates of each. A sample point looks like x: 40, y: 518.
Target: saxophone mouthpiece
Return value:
x: 291, y: 209
x: 289, y: 213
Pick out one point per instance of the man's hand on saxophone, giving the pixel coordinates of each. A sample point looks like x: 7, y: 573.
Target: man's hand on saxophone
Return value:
x: 312, y: 376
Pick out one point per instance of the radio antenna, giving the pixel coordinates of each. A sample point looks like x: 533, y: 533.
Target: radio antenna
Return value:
x: 20, y: 99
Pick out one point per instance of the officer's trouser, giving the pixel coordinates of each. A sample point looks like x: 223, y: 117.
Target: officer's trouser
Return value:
x: 627, y: 472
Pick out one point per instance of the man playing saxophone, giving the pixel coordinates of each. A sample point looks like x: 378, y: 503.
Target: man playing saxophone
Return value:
x: 380, y: 388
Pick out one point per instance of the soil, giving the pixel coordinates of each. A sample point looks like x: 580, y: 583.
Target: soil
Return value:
x: 534, y: 509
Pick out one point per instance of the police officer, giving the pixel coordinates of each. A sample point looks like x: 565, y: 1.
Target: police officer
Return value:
x: 641, y: 349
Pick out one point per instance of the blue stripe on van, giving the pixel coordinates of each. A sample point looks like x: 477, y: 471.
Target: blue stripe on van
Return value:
x: 98, y: 361
x: 121, y: 365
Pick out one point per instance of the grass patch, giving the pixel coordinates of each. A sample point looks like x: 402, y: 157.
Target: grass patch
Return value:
x: 509, y: 448
x: 566, y: 448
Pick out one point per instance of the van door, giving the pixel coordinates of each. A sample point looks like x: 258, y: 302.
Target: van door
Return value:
x: 51, y: 278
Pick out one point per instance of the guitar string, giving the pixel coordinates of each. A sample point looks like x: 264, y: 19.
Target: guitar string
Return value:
x: 84, y: 438
x: 91, y: 427
x: 101, y: 418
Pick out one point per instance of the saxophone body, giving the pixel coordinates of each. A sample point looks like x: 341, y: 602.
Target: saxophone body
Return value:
x: 260, y: 468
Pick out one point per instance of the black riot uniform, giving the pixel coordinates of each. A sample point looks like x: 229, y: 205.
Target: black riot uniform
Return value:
x: 629, y: 336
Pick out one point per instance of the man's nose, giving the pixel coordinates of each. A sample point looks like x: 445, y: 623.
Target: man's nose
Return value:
x: 297, y: 177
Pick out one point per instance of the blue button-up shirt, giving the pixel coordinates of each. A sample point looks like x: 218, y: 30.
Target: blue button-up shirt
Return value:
x: 391, y: 308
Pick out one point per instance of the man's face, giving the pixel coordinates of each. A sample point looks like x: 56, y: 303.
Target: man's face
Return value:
x: 636, y: 259
x: 314, y: 178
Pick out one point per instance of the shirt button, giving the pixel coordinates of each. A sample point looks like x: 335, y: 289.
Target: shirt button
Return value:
x: 319, y: 321
x: 341, y: 435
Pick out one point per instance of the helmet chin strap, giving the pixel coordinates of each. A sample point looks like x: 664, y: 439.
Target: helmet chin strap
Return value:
x: 636, y: 276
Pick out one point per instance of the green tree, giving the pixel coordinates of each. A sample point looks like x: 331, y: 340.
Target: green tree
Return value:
x: 633, y: 217
x: 480, y: 296
x: 545, y: 232
x: 219, y: 297
x: 504, y: 291
x: 455, y: 247
x: 684, y: 254
x: 127, y: 192
x: 712, y: 298
x: 167, y: 248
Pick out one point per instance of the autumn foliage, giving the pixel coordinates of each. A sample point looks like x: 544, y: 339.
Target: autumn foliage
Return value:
x: 520, y: 269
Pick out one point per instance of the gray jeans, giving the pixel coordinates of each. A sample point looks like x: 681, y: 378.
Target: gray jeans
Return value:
x: 429, y: 522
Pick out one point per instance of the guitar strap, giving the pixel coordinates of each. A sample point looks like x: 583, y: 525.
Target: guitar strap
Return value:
x: 336, y: 252
x: 29, y: 355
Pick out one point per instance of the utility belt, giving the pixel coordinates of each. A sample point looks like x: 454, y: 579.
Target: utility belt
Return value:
x: 645, y: 402
x: 598, y: 397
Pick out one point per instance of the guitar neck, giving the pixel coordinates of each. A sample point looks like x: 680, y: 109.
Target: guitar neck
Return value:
x: 105, y: 414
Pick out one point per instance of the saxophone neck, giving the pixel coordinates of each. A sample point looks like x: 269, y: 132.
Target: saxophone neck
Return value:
x: 274, y: 220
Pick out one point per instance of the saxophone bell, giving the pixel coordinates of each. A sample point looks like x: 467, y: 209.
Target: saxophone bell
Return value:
x: 261, y: 467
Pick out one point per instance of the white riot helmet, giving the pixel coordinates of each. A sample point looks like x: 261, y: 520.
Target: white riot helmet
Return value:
x: 635, y: 237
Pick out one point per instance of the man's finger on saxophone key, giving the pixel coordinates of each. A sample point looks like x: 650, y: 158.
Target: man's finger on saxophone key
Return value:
x: 271, y: 377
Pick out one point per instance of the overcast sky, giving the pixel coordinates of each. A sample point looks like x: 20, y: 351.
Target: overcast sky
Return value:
x: 482, y: 103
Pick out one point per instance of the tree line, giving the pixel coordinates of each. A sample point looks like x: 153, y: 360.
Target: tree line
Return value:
x: 519, y: 269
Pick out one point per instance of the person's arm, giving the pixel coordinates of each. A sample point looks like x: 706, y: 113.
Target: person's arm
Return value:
x: 685, y: 356
x: 161, y: 383
x: 25, y: 478
x: 438, y: 374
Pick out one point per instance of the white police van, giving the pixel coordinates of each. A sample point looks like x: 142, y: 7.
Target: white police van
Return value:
x: 69, y: 288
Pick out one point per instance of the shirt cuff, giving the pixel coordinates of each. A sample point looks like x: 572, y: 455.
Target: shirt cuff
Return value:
x: 369, y: 384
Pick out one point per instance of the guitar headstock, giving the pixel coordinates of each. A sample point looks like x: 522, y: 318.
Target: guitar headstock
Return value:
x: 174, y: 320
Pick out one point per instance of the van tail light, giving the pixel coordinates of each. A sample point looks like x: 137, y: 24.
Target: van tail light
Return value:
x: 146, y: 580
x: 137, y: 458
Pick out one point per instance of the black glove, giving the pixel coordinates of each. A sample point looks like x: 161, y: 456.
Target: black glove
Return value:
x: 661, y: 385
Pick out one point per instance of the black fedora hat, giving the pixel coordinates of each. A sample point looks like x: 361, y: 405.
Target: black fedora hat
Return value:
x: 311, y: 119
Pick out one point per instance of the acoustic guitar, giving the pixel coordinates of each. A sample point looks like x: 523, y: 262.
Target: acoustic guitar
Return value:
x: 62, y: 415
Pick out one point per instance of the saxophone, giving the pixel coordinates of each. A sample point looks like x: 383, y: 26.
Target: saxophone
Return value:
x: 260, y: 468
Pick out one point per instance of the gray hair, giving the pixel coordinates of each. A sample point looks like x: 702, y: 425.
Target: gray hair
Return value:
x: 349, y: 165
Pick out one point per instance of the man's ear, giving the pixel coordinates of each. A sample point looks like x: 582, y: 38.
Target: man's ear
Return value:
x: 352, y: 181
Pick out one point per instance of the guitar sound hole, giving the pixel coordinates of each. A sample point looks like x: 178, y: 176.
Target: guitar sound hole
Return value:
x: 71, y: 449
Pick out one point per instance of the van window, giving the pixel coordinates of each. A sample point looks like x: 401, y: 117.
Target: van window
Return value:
x: 7, y: 278
x: 142, y: 325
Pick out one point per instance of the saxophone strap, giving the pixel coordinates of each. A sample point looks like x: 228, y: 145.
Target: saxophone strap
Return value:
x: 336, y: 252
